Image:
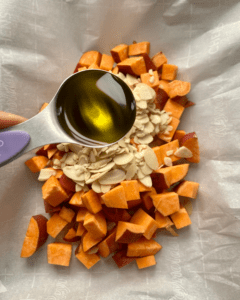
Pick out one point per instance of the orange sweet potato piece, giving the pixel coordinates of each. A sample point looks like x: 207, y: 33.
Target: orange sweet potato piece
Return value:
x: 43, y: 106
x: 92, y: 202
x: 67, y: 214
x: 146, y: 78
x: 147, y: 200
x: 80, y: 229
x: 106, y: 62
x: 58, y: 155
x: 164, y: 85
x: 146, y: 261
x: 187, y: 189
x: 128, y: 233
x: 51, y: 152
x: 88, y: 241
x: 175, y: 108
x: 88, y: 260
x: 55, y: 225
x: 133, y: 66
x: 139, y: 48
x: 81, y: 214
x: 51, y: 209
x: 67, y: 183
x: 167, y: 137
x: 115, y: 70
x: 161, y: 98
x: 76, y: 199
x: 120, y: 52
x: 190, y: 141
x: 121, y: 259
x: 115, y: 198
x: 178, y: 135
x: 133, y: 203
x: 169, y: 72
x: 140, y: 217
x: 59, y: 254
x: 41, y: 152
x: 166, y: 203
x: 53, y: 192
x: 94, y: 66
x: 95, y: 224
x: 179, y: 88
x: 36, y: 235
x: 181, y: 218
x: 81, y: 69
x: 161, y: 151
x: 36, y: 163
x: 89, y: 58
x: 148, y: 62
x: 131, y: 189
x: 71, y: 236
x: 116, y: 214
x: 143, y: 188
x: 159, y: 59
x: 162, y: 221
x: 143, y: 247
x: 108, y: 245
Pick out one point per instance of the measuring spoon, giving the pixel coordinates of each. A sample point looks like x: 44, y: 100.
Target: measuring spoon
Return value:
x: 77, y: 115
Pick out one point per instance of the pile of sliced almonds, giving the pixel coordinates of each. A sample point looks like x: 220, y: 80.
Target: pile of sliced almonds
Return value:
x: 103, y: 168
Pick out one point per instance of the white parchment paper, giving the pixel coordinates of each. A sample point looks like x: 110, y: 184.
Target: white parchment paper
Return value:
x: 40, y: 44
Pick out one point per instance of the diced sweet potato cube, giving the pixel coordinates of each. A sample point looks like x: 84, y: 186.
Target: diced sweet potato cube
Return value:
x: 116, y: 214
x: 140, y: 217
x: 89, y: 58
x: 55, y: 225
x: 190, y: 141
x: 59, y: 254
x: 143, y: 247
x: 115, y: 198
x: 108, y: 245
x: 168, y: 137
x: 139, y: 48
x: 88, y: 260
x: 94, y: 66
x: 159, y: 59
x: 162, y: 151
x: 166, y: 203
x: 181, y: 218
x: 106, y: 62
x: 43, y: 106
x: 169, y: 72
x: 147, y: 200
x: 91, y: 201
x: 88, y: 241
x: 95, y: 224
x: 115, y: 70
x: 162, y: 221
x: 175, y: 108
x: 187, y: 189
x: 82, y: 69
x: 164, y: 85
x: 133, y: 203
x: 120, y: 52
x: 80, y: 229
x: 121, y: 259
x: 36, y: 163
x: 133, y: 66
x: 76, y: 199
x: 67, y: 214
x: 179, y: 88
x: 71, y: 236
x: 42, y: 152
x: 49, y: 146
x: 165, y: 177
x: 128, y: 233
x: 51, y: 209
x: 146, y: 261
x: 143, y: 188
x: 58, y: 155
x: 51, y: 152
x: 131, y: 189
x: 178, y: 135
x: 148, y: 62
x: 52, y: 192
x: 81, y: 214
x: 151, y: 80
x: 36, y: 235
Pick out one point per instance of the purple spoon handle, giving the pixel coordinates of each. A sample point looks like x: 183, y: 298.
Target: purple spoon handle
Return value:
x: 11, y: 144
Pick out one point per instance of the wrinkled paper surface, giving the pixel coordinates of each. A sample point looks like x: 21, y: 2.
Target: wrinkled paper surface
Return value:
x: 40, y: 44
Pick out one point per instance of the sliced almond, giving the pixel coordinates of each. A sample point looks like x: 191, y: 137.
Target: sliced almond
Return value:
x: 45, y: 174
x: 96, y: 187
x: 183, y: 152
x: 78, y: 188
x: 145, y: 169
x: 147, y: 139
x: 99, y: 164
x: 92, y: 157
x: 169, y: 152
x: 96, y: 176
x: 123, y: 159
x: 113, y: 177
x: 151, y: 159
x: 105, y: 188
x: 155, y: 119
x: 167, y: 161
x: 147, y: 181
x: 131, y: 171
x: 105, y: 168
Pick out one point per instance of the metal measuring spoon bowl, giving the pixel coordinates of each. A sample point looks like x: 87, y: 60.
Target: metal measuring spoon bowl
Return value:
x: 93, y: 108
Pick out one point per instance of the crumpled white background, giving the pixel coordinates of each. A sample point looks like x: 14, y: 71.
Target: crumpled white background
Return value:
x: 40, y: 44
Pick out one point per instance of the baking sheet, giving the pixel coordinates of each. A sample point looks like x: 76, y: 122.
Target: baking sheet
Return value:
x: 40, y: 44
